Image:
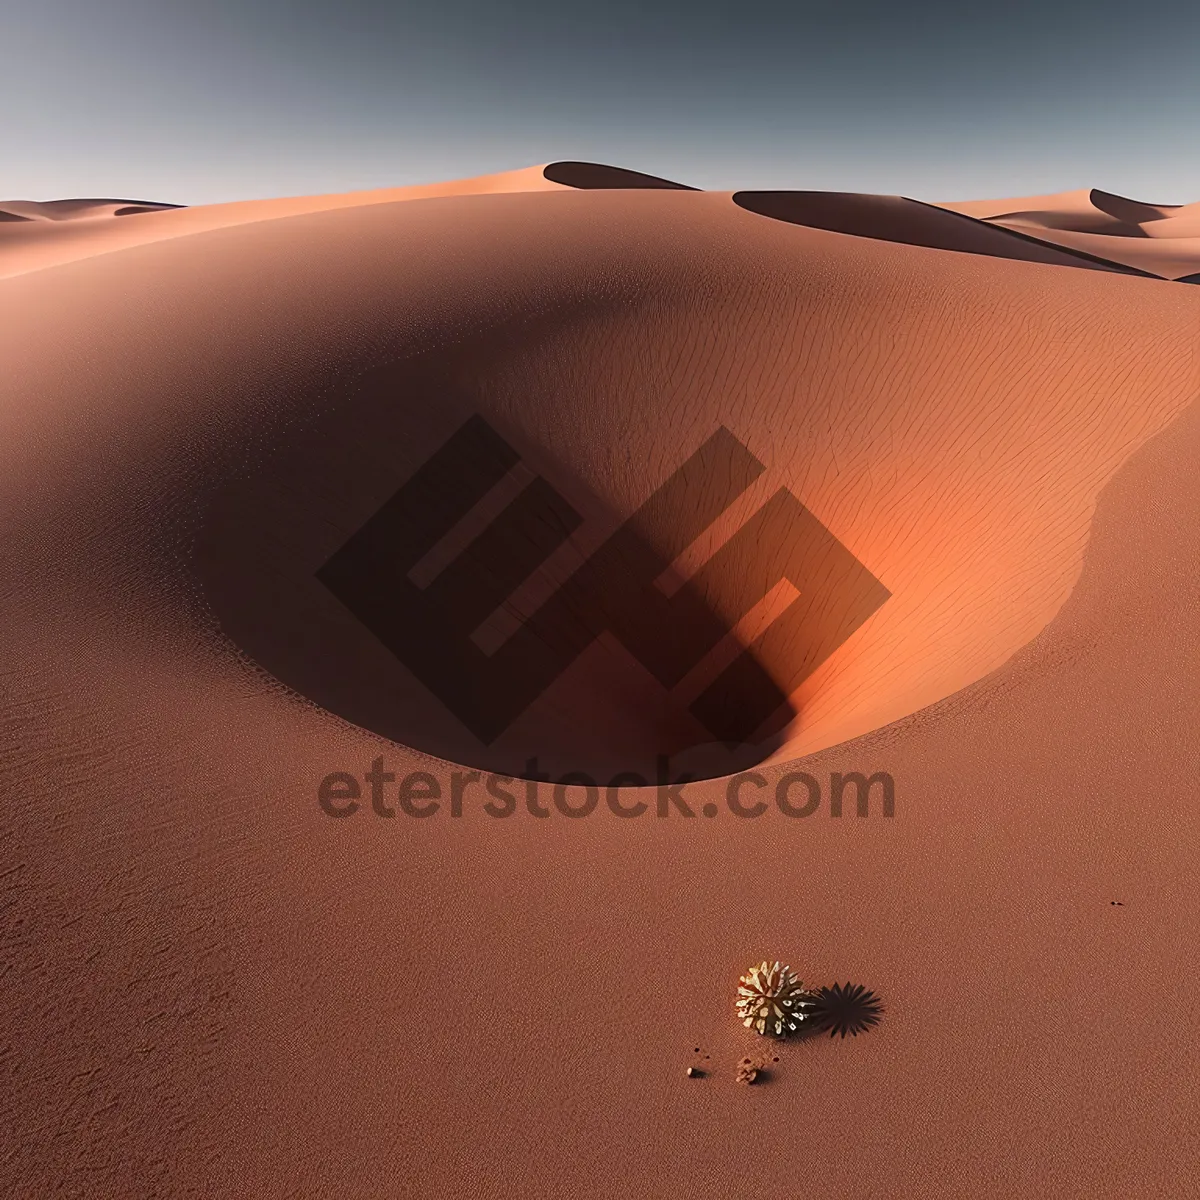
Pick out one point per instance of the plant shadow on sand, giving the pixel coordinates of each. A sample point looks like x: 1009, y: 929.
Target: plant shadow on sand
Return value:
x: 842, y: 1009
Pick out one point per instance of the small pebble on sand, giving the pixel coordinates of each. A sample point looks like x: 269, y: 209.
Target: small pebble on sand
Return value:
x: 747, y: 1071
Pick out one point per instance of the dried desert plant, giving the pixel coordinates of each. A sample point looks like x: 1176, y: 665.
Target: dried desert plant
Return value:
x: 772, y: 1000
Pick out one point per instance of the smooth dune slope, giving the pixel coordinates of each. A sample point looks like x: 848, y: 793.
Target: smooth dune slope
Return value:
x: 28, y: 247
x: 217, y: 989
x: 28, y: 241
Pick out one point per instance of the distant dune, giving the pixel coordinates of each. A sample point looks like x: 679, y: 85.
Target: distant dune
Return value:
x: 27, y: 247
x: 1069, y: 228
x: 1162, y: 239
x: 580, y: 465
x: 78, y: 210
x: 912, y: 223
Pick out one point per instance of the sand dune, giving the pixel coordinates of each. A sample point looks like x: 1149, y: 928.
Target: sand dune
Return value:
x: 32, y: 247
x: 912, y: 223
x: 1102, y: 224
x: 1079, y: 205
x: 642, y: 411
x: 28, y: 247
x: 79, y: 210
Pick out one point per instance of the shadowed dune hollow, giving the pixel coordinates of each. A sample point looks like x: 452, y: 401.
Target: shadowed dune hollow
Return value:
x: 476, y: 599
x: 572, y: 498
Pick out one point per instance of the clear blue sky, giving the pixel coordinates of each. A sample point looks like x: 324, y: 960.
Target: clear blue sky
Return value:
x: 232, y: 99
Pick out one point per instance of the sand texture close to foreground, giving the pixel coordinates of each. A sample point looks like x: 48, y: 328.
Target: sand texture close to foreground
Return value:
x: 213, y: 988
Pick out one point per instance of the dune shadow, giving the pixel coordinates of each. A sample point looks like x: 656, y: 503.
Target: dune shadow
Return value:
x: 131, y: 210
x: 65, y: 210
x: 1129, y: 212
x: 587, y: 176
x: 914, y: 223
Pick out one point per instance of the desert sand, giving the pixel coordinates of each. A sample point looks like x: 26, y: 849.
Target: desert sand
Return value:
x: 214, y: 988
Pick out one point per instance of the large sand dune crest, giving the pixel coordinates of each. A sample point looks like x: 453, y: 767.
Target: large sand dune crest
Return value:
x: 597, y: 175
x: 56, y: 237
x: 47, y: 244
